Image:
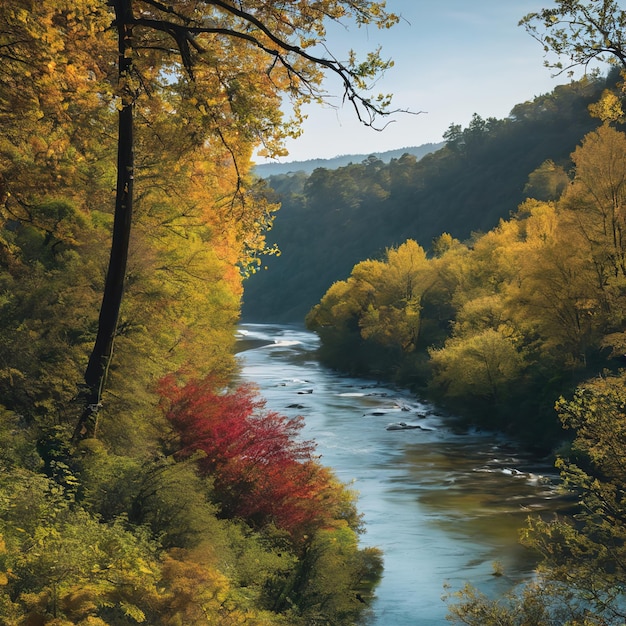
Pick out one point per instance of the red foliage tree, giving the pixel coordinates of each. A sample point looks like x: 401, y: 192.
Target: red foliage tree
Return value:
x: 263, y: 472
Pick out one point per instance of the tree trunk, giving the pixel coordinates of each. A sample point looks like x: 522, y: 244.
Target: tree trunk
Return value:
x: 102, y: 352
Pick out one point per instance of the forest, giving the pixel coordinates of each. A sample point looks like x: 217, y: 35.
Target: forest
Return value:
x: 520, y: 330
x: 140, y: 481
x: 334, y: 218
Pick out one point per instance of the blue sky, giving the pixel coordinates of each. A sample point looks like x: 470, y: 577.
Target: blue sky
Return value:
x: 452, y: 58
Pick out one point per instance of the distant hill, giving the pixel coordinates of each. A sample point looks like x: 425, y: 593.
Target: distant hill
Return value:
x: 332, y: 219
x: 264, y: 170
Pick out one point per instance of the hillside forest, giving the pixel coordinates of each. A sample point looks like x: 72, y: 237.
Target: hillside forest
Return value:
x: 331, y: 219
x: 140, y: 481
x: 521, y: 329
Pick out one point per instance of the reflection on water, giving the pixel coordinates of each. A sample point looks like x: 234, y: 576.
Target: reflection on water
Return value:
x: 443, y: 506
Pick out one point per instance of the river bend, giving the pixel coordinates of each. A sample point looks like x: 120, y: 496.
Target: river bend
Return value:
x: 443, y: 506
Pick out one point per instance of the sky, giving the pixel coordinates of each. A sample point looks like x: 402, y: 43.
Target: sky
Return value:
x: 452, y: 58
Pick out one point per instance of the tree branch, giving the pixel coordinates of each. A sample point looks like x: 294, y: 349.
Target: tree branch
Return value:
x: 185, y: 35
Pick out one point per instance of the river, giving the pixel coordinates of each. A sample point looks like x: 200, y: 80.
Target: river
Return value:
x: 442, y: 505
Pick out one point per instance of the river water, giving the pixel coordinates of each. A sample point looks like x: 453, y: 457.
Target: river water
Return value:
x: 443, y: 506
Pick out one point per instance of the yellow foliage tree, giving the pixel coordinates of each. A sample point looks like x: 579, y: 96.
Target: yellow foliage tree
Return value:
x: 380, y: 299
x: 210, y: 55
x: 480, y: 365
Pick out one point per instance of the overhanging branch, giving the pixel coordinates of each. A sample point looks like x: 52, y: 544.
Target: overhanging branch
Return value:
x: 186, y: 31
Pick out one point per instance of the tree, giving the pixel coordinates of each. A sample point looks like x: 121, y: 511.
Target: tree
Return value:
x: 382, y: 297
x: 196, y: 592
x: 585, y: 32
x: 482, y: 365
x: 454, y: 137
x: 597, y: 198
x: 547, y: 182
x: 335, y: 580
x: 580, y: 581
x: 576, y: 269
x: 159, y: 42
x: 55, y: 79
x: 262, y: 472
x: 393, y: 318
x: 555, y: 298
x: 64, y: 562
x: 608, y: 109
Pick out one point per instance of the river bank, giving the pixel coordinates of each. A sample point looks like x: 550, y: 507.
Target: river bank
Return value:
x: 444, y: 506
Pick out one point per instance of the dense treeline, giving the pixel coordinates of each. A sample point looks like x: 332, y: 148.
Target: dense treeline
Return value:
x: 190, y: 503
x: 332, y: 219
x: 504, y: 328
x: 576, y: 306
x: 498, y: 326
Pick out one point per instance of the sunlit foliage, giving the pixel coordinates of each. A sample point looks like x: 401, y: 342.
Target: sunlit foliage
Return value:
x: 127, y: 526
x: 263, y: 473
x: 509, y: 319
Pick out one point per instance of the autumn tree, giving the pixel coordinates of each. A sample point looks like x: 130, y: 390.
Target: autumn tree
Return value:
x: 210, y: 53
x: 569, y: 257
x: 484, y: 366
x: 394, y: 316
x: 53, y: 86
x: 482, y: 355
x: 554, y: 298
x: 262, y: 471
x: 56, y: 79
x: 264, y: 474
x: 379, y: 305
x: 547, y: 182
x: 597, y: 200
x: 586, y: 555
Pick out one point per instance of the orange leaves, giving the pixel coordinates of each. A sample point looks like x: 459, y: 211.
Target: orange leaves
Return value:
x: 52, y: 94
x: 193, y: 591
